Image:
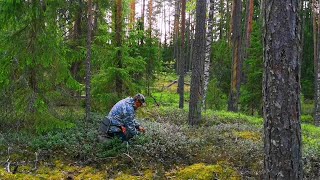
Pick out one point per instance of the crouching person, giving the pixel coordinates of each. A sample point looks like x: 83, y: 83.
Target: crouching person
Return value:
x: 121, y: 122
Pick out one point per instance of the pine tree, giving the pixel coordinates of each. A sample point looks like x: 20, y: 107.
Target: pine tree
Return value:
x: 281, y: 88
x: 196, y: 89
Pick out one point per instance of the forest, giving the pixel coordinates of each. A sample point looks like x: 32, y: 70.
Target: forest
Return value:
x: 232, y: 88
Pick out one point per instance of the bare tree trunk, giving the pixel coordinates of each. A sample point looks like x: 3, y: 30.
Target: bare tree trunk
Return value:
x: 182, y: 55
x: 142, y: 22
x: 77, y: 33
x: 150, y: 63
x: 317, y: 69
x: 196, y: 88
x: 316, y: 32
x: 176, y: 32
x: 118, y: 42
x: 247, y: 35
x: 132, y: 13
x: 250, y: 9
x: 88, y: 62
x: 221, y: 19
x: 208, y: 52
x: 315, y: 35
x: 228, y: 24
x: 236, y: 57
x: 187, y: 44
x: 281, y: 88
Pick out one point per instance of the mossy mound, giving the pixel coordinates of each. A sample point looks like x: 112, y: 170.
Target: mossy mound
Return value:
x: 60, y: 171
x: 253, y: 136
x: 202, y: 171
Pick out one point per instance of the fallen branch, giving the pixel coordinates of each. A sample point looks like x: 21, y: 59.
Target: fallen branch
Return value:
x: 175, y: 81
x: 134, y: 162
x: 155, y: 100
x: 8, y: 161
x: 8, y: 166
x: 36, y: 162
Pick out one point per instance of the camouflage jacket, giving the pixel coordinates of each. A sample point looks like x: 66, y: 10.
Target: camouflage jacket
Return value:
x: 123, y: 114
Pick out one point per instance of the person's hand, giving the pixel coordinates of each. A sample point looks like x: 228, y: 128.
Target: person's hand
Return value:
x: 141, y: 129
x: 124, y: 129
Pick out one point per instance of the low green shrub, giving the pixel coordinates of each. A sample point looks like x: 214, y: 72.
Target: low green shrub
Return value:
x: 307, y: 119
x: 231, y: 117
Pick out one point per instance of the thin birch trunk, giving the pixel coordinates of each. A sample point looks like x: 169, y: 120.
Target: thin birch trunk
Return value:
x: 208, y: 52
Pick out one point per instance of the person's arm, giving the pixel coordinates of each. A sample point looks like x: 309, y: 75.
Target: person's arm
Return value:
x: 130, y: 122
x: 136, y: 123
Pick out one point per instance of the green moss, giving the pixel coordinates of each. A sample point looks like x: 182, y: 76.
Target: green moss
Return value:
x: 248, y: 135
x: 231, y: 117
x: 90, y: 173
x: 126, y: 177
x: 148, y: 175
x: 202, y: 171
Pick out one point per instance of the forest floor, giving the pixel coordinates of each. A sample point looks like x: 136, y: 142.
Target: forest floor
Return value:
x: 224, y: 146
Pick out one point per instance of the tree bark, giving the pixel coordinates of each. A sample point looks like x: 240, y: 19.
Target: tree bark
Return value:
x: 176, y: 32
x: 208, y: 52
x: 316, y: 32
x: 221, y: 19
x: 228, y: 24
x: 236, y: 70
x: 150, y: 58
x: 182, y: 55
x: 132, y: 13
x: 142, y: 22
x: 196, y: 89
x: 281, y: 90
x: 88, y: 62
x: 76, y: 36
x: 118, y: 43
x: 250, y: 9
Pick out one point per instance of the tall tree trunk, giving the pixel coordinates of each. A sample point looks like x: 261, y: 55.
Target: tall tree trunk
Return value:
x: 281, y: 88
x: 142, y: 22
x: 187, y: 44
x: 182, y: 55
x: 196, y: 89
x: 176, y: 32
x: 248, y: 30
x: 150, y: 16
x: 88, y: 62
x: 316, y: 32
x: 208, y: 52
x: 221, y: 19
x: 76, y: 36
x: 150, y: 63
x: 247, y: 35
x: 315, y: 35
x: 236, y: 56
x: 228, y: 24
x: 118, y: 42
x: 317, y: 69
x: 132, y: 13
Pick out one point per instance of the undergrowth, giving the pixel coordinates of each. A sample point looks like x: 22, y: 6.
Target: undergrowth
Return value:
x: 168, y: 147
